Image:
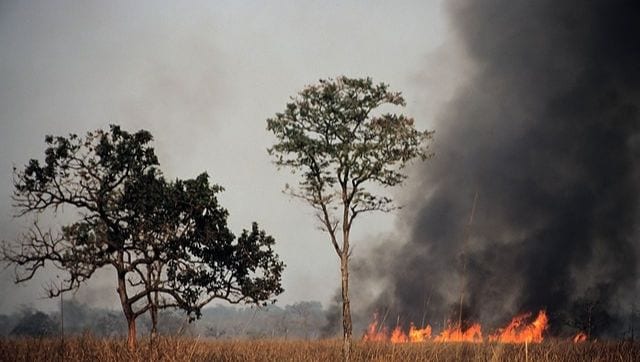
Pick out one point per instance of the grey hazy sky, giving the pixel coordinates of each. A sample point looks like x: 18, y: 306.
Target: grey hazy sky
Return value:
x: 203, y: 77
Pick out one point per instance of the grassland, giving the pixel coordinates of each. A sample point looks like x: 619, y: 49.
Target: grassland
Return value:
x: 88, y: 348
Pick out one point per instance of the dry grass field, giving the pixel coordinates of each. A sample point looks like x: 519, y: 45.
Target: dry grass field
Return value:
x: 88, y: 348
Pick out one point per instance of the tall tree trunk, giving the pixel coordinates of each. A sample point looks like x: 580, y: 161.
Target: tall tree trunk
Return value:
x: 152, y: 299
x: 347, y: 327
x: 126, y: 307
x: 346, y: 307
x: 131, y: 336
x: 154, y: 321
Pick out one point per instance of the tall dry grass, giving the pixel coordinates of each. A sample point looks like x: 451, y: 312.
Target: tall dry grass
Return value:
x: 88, y: 348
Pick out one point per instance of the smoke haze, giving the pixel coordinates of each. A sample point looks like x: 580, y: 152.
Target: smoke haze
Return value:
x: 202, y: 77
x: 547, y: 133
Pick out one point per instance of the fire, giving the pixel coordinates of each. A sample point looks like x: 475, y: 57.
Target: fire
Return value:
x: 415, y: 334
x: 375, y: 332
x: 455, y: 334
x: 580, y: 337
x: 397, y: 336
x: 519, y: 332
x: 419, y: 335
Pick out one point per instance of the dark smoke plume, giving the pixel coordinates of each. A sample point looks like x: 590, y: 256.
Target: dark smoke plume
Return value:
x: 547, y: 132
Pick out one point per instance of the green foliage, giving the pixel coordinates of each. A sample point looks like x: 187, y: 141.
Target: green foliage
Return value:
x: 332, y: 134
x: 167, y: 241
x: 87, y: 176
x: 189, y: 250
x: 335, y: 135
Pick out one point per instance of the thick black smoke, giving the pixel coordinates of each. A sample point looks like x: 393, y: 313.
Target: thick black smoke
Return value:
x: 547, y: 132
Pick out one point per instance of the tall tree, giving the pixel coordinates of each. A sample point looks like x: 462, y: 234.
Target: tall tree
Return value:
x: 168, y: 242
x: 335, y: 136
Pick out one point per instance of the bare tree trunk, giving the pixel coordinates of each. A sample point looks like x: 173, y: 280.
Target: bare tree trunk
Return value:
x: 154, y: 322
x: 131, y: 336
x: 126, y: 306
x: 152, y: 299
x: 347, y: 326
x: 346, y: 307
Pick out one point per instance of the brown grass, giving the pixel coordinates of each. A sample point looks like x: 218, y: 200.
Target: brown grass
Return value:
x: 88, y: 348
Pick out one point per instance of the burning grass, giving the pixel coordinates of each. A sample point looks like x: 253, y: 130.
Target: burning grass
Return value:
x: 518, y: 331
x: 88, y: 348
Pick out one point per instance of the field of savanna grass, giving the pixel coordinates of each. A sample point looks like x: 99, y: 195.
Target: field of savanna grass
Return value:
x: 88, y: 348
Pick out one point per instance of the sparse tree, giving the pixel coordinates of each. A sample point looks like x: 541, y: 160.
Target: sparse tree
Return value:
x: 7, y: 323
x: 306, y: 316
x: 588, y: 315
x: 35, y: 324
x: 108, y: 324
x: 168, y: 242
x: 334, y: 134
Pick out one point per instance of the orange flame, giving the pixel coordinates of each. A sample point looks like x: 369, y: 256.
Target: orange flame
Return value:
x: 580, y: 337
x: 455, y: 334
x: 519, y: 332
x: 397, y: 336
x: 374, y: 332
x: 419, y: 334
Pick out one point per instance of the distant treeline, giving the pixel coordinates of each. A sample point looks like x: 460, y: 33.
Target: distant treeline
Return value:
x: 301, y: 320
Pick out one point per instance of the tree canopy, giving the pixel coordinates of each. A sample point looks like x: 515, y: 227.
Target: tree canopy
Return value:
x: 168, y: 242
x: 336, y: 135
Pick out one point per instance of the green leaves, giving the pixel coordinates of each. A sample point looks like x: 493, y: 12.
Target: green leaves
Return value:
x: 168, y: 241
x: 255, y: 252
x: 334, y: 135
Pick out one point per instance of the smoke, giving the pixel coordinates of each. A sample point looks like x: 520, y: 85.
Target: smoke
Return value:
x: 547, y: 133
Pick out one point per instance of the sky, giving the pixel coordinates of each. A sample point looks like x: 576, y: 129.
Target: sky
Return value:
x: 203, y: 77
